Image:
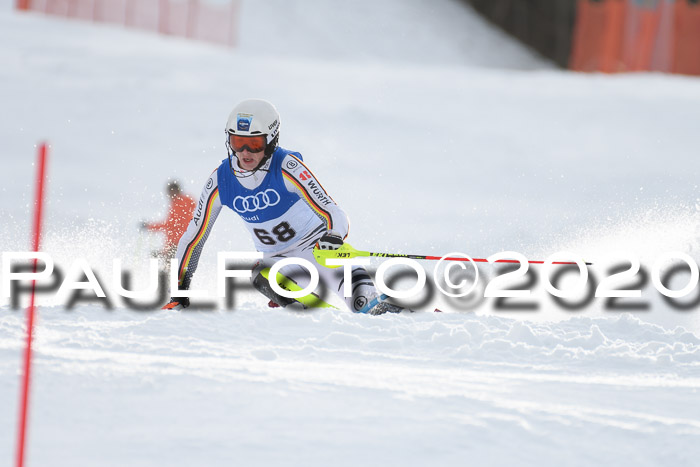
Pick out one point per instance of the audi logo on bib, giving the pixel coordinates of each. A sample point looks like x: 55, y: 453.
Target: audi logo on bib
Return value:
x: 256, y: 202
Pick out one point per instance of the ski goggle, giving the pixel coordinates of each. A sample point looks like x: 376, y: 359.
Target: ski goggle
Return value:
x: 251, y: 143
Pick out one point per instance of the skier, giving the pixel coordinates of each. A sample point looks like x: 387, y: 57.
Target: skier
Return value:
x: 282, y: 204
x: 175, y: 224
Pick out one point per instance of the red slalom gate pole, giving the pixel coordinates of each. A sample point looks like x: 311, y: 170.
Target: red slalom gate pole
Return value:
x: 24, y: 401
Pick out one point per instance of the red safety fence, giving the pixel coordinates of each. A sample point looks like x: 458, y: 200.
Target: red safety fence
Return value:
x: 193, y: 19
x: 637, y: 35
x: 686, y: 53
x: 597, y: 43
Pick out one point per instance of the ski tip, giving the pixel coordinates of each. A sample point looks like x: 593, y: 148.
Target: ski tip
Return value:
x: 172, y: 306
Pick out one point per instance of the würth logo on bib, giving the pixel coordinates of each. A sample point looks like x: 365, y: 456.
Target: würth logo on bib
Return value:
x: 256, y: 202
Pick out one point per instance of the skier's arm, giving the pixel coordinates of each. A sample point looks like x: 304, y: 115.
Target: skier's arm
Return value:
x: 192, y: 241
x: 300, y: 180
x: 155, y: 226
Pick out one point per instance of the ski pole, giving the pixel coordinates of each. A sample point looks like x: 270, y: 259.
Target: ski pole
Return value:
x: 346, y: 251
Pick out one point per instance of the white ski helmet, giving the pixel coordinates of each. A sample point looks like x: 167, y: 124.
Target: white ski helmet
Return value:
x: 253, y: 117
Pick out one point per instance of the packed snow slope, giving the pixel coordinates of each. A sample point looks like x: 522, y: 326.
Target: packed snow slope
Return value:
x: 258, y: 387
x: 435, y: 135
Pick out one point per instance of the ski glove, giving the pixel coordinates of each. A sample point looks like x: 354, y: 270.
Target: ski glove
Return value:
x: 177, y: 303
x: 329, y: 242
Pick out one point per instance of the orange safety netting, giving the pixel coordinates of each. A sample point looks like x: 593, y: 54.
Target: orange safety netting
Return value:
x: 637, y: 35
x: 193, y: 19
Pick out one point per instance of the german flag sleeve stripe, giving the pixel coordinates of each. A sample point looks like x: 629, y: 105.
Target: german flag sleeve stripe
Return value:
x: 310, y: 200
x: 196, y: 245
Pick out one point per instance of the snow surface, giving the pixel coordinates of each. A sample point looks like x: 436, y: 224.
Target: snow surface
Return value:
x: 255, y: 387
x: 461, y: 140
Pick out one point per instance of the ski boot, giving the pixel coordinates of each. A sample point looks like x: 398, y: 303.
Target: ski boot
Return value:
x: 377, y: 306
